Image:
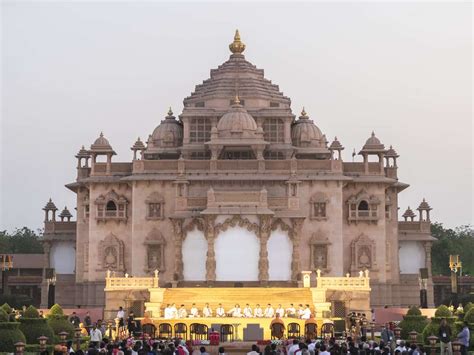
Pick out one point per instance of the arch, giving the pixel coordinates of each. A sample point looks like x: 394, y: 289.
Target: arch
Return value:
x: 279, y: 248
x: 237, y: 254
x: 111, y: 206
x: 196, y: 223
x: 363, y: 206
x: 237, y: 221
x: 194, y: 255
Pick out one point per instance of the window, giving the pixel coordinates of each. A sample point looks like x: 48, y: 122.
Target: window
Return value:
x: 363, y: 206
x: 154, y: 210
x: 238, y: 155
x: 86, y: 211
x: 201, y: 155
x: 270, y: 155
x: 320, y: 209
x: 111, y: 207
x: 274, y: 130
x: 199, y: 130
x: 387, y: 211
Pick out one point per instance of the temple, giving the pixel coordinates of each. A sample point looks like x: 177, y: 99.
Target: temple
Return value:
x: 236, y: 191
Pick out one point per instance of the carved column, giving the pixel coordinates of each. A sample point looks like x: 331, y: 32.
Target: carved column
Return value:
x: 265, y: 228
x: 211, y: 255
x: 178, y: 248
x: 297, y: 224
x: 427, y: 246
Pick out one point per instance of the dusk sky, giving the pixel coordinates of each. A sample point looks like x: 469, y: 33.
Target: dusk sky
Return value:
x: 73, y: 69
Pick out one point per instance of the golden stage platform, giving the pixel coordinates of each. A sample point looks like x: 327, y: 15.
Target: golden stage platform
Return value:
x: 241, y: 325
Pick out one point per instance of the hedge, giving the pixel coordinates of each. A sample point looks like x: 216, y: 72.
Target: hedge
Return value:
x: 413, y: 320
x: 33, y: 328
x: 9, y: 335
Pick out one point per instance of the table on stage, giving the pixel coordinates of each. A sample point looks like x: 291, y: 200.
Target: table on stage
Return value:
x: 247, y: 326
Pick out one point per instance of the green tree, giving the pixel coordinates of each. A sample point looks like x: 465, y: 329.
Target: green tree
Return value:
x: 449, y: 241
x: 21, y: 241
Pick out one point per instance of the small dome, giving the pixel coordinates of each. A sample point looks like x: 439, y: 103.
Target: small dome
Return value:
x: 138, y: 145
x: 409, y: 213
x: 336, y: 145
x: 169, y: 133
x: 424, y: 206
x: 373, y: 143
x: 50, y: 206
x: 101, y: 144
x: 83, y: 153
x: 65, y: 213
x: 391, y: 153
x: 305, y: 133
x: 236, y: 122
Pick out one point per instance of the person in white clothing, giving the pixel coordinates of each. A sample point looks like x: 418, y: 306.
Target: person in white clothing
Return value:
x: 291, y: 311
x: 167, y: 313
x: 182, y: 313
x: 306, y: 312
x: 257, y: 312
x: 300, y: 311
x: 207, y: 311
x: 194, y: 313
x: 269, y: 311
x: 95, y: 334
x: 280, y: 311
x: 236, y: 311
x: 220, y: 312
x: 174, y: 311
x: 248, y: 311
x: 293, y: 347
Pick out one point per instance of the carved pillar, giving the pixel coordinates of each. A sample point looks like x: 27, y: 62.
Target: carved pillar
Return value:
x: 427, y: 246
x: 211, y: 255
x: 178, y: 248
x: 297, y: 224
x: 265, y: 228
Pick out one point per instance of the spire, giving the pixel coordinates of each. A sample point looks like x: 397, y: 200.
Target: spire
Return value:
x: 237, y: 47
x: 170, y: 112
x: 304, y: 115
x: 236, y: 100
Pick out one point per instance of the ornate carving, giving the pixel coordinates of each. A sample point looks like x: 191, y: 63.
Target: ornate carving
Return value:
x: 155, y: 202
x: 265, y: 229
x: 111, y: 253
x: 363, y: 253
x: 237, y: 221
x: 319, y: 247
x: 111, y: 206
x: 297, y: 224
x: 155, y: 246
x: 196, y: 222
x: 210, y: 256
x: 178, y: 247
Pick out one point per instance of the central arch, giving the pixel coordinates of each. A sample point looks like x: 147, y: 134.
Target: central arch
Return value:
x: 279, y: 255
x: 237, y: 254
x: 194, y: 256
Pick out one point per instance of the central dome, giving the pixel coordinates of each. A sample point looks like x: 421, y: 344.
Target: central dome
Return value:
x: 237, y: 122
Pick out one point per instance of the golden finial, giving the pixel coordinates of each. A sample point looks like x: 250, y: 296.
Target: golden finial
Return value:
x: 170, y: 112
x: 303, y: 113
x: 237, y: 47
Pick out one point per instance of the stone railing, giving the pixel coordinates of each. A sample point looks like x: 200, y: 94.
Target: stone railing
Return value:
x: 113, y: 283
x: 348, y: 283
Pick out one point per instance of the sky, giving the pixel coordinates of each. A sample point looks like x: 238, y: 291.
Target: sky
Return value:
x: 73, y: 69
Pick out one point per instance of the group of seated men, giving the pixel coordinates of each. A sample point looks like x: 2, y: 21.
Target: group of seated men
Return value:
x: 171, y: 312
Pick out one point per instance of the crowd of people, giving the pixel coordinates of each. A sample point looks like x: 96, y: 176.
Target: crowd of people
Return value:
x: 173, y: 312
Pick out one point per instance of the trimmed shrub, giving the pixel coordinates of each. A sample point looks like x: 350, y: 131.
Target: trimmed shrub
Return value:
x: 3, y: 316
x: 412, y: 321
x: 469, y: 316
x: 33, y: 326
x: 443, y: 312
x: 468, y: 307
x: 59, y: 322
x: 6, y: 308
x: 9, y: 335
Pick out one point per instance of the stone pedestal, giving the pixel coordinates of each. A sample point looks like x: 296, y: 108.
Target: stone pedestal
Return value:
x: 156, y: 300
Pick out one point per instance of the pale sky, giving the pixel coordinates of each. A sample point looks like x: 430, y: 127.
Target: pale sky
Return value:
x: 72, y: 69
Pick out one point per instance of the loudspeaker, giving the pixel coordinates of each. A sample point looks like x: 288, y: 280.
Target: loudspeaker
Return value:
x: 424, y: 273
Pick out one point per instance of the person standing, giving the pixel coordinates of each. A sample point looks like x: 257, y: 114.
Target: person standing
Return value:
x: 95, y: 334
x: 75, y: 320
x: 131, y: 324
x: 387, y: 335
x: 444, y: 335
x: 121, y: 317
x: 464, y: 337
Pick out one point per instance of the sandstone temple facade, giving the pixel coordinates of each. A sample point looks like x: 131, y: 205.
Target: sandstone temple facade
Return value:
x: 237, y: 189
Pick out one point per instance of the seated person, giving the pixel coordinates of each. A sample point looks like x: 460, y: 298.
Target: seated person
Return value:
x: 291, y: 311
x: 146, y: 319
x: 248, y: 311
x: 167, y: 313
x: 174, y: 311
x: 220, y: 312
x: 310, y: 320
x: 236, y: 311
x: 306, y: 312
x: 207, y: 311
x: 299, y: 314
x: 257, y: 312
x: 269, y: 311
x: 194, y: 313
x: 280, y: 311
x: 182, y: 313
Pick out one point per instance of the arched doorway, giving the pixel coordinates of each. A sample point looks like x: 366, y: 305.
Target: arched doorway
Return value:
x: 280, y: 249
x: 194, y: 256
x: 237, y: 254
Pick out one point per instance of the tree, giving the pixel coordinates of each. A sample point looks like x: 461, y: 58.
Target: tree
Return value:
x: 21, y: 241
x: 449, y: 241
